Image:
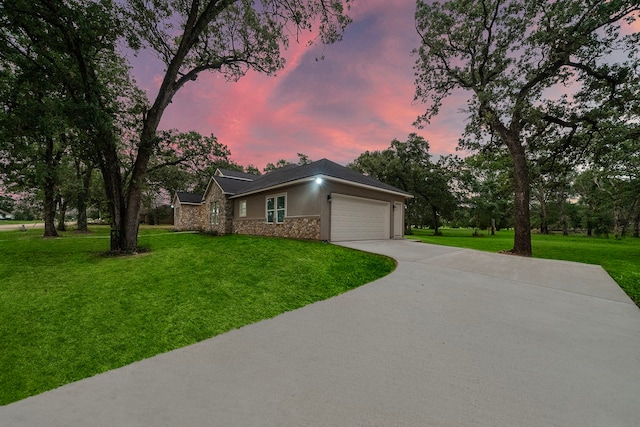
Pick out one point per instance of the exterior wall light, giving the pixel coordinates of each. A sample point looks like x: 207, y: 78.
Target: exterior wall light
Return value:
x: 318, y: 180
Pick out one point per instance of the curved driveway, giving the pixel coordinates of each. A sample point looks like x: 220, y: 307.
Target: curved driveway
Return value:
x: 453, y: 337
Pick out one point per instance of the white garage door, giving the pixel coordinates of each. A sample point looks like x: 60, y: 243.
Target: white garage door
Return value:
x: 355, y: 218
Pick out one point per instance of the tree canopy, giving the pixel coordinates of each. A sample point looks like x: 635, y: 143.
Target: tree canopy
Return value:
x: 229, y: 37
x: 530, y: 68
x: 59, y: 84
x: 408, y: 166
x: 62, y: 74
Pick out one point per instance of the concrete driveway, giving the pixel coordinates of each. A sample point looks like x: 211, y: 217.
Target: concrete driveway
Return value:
x: 453, y: 337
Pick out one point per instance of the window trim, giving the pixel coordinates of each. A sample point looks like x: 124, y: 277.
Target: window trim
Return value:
x: 275, y: 208
x: 242, y: 209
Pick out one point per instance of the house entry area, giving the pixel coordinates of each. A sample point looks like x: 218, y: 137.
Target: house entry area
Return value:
x: 357, y: 218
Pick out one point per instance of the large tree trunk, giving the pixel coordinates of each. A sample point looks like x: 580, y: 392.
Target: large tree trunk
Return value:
x: 82, y: 224
x: 522, y: 223
x: 148, y: 141
x: 83, y: 195
x: 626, y: 218
x: 436, y: 223
x: 131, y: 219
x: 544, y: 215
x: 616, y: 222
x: 49, y: 209
x: 109, y: 165
x: 125, y: 209
x: 50, y: 191
x: 116, y: 209
x: 62, y: 213
x: 510, y: 136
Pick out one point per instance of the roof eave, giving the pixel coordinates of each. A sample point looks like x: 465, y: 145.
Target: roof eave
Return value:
x: 231, y: 177
x: 371, y: 187
x: 327, y: 177
x: 204, y: 195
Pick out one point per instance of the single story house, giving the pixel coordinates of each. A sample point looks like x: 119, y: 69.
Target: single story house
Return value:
x: 321, y: 200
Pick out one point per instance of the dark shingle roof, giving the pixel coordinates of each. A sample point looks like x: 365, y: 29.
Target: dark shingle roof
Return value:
x: 189, y: 197
x: 231, y: 185
x: 323, y: 167
x: 235, y: 174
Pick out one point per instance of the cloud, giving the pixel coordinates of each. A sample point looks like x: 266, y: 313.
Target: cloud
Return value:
x: 359, y: 98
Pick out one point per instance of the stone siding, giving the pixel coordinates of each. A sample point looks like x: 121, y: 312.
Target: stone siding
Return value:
x: 188, y: 217
x: 307, y: 228
x: 225, y: 212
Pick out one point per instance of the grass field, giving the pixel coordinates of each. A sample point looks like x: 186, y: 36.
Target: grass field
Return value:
x: 68, y: 311
x: 620, y: 258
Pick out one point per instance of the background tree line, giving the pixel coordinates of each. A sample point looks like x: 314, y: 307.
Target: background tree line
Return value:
x: 477, y: 191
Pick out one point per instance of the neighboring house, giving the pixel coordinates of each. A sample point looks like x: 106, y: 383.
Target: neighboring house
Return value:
x: 319, y: 201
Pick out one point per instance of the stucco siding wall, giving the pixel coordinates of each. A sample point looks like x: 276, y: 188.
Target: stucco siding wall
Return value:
x: 255, y: 206
x: 302, y: 200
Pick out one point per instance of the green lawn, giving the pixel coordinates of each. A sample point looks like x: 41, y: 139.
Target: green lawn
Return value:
x: 68, y: 311
x: 620, y: 258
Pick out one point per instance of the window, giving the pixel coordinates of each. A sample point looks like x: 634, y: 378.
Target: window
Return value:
x: 243, y: 208
x: 215, y: 213
x: 276, y: 208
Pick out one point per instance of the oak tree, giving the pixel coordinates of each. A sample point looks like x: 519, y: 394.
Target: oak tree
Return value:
x: 226, y: 36
x: 520, y: 61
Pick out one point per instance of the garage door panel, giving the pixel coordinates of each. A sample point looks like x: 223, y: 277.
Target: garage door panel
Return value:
x: 356, y: 218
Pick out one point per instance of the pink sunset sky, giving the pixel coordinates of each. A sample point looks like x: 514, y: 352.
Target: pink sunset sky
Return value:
x: 359, y: 98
